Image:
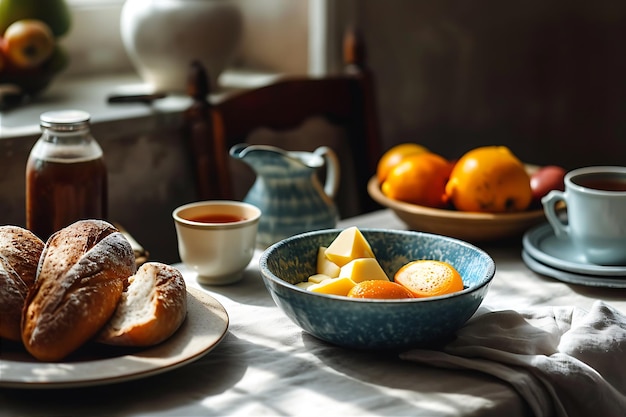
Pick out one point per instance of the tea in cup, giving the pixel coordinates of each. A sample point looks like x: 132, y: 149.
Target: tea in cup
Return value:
x: 217, y: 239
x: 595, y: 201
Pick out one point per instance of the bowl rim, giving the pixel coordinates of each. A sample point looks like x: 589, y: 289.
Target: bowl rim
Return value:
x: 267, y: 274
x: 374, y: 191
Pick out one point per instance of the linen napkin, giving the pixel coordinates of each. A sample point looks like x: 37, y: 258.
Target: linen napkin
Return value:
x: 563, y: 361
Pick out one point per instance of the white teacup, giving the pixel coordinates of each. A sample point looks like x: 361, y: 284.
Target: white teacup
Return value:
x: 595, y: 200
x: 216, y: 239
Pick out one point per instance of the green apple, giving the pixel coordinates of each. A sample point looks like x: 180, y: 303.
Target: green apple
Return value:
x: 28, y: 43
x: 54, y: 13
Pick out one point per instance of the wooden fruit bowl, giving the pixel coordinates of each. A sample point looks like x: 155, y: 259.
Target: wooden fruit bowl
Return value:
x: 472, y: 227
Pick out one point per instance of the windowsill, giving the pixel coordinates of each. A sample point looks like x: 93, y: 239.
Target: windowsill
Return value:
x: 91, y: 94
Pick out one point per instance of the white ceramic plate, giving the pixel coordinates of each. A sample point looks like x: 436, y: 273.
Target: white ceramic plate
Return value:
x: 572, y: 277
x: 203, y: 329
x: 541, y: 243
x: 474, y: 227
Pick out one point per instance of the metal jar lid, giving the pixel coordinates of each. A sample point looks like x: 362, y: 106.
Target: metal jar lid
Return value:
x: 66, y: 120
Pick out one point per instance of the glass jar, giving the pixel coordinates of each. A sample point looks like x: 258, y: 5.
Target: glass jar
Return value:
x: 66, y: 177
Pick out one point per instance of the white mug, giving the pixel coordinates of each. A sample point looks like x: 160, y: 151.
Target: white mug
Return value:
x: 217, y: 239
x: 595, y: 200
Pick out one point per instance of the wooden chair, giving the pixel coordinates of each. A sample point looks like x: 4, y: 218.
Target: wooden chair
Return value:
x: 346, y: 101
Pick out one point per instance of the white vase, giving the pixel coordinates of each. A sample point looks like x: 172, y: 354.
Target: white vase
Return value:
x: 162, y: 38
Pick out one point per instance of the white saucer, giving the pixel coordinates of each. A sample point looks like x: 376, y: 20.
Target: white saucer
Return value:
x: 541, y: 243
x: 571, y: 277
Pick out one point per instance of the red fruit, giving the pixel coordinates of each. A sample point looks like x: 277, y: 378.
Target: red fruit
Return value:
x: 546, y: 179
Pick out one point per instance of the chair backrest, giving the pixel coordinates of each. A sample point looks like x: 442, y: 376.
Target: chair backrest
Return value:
x: 345, y: 101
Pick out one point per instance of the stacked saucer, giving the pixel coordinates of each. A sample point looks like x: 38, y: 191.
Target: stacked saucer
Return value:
x: 548, y: 255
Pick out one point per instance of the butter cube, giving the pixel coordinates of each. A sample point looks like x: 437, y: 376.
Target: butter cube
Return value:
x: 348, y: 245
x: 304, y: 284
x: 317, y: 278
x: 363, y: 269
x: 326, y: 266
x: 334, y: 286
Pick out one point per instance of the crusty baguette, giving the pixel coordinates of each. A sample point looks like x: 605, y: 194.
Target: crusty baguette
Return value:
x: 152, y: 308
x: 79, y: 282
x: 20, y: 250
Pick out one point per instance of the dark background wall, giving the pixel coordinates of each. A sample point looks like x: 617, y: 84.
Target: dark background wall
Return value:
x: 546, y: 78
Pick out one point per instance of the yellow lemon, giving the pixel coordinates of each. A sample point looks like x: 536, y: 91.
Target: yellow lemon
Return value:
x: 489, y: 179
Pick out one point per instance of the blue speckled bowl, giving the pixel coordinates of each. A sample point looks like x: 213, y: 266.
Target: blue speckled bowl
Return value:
x: 377, y: 324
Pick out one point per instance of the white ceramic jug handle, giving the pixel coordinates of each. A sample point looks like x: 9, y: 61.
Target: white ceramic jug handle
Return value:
x: 549, y: 203
x: 333, y: 171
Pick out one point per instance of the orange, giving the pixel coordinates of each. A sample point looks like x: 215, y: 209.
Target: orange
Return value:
x: 393, y: 157
x: 489, y: 179
x: 428, y: 278
x: 379, y: 289
x: 419, y: 179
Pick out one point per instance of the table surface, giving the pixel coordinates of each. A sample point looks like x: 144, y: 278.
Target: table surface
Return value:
x: 266, y: 365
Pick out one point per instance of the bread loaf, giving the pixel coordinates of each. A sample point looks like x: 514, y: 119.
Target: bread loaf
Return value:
x: 152, y: 308
x: 79, y: 282
x: 20, y: 250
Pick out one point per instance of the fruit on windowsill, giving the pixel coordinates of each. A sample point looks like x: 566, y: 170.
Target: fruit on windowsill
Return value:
x: 28, y: 43
x: 31, y: 81
x: 54, y: 13
x: 28, y: 60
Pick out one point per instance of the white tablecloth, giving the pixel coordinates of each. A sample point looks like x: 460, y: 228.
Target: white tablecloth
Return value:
x: 268, y: 366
